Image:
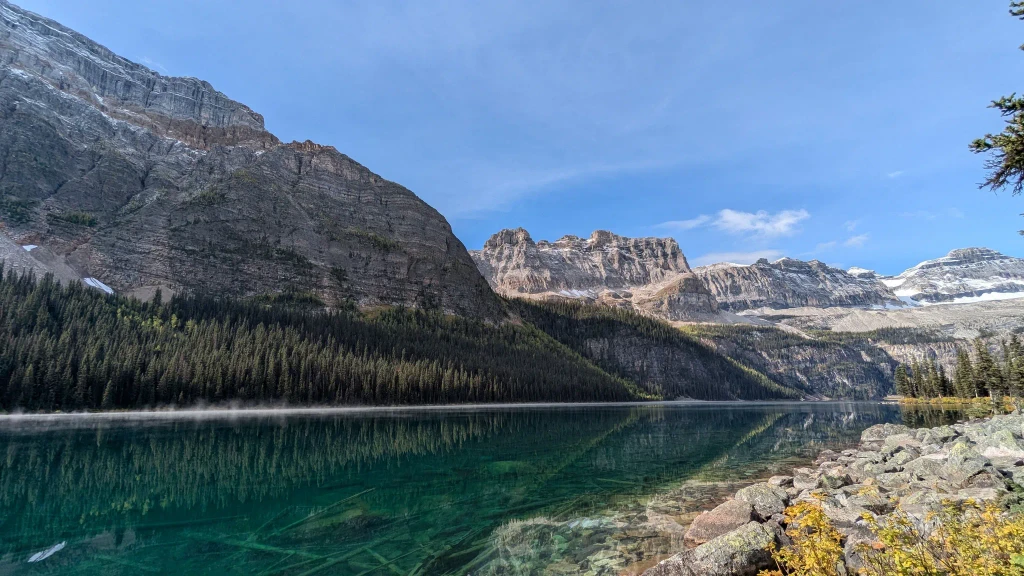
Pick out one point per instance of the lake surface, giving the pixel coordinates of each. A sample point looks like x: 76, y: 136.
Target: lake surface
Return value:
x: 514, y: 490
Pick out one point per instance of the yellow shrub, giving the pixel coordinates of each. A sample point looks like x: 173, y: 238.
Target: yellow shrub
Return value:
x: 816, y: 548
x: 967, y: 540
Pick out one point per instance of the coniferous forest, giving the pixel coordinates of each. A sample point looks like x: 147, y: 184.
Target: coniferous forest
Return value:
x: 976, y: 374
x: 69, y: 347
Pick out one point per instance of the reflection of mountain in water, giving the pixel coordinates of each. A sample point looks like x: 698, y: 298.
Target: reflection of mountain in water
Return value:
x: 409, y: 483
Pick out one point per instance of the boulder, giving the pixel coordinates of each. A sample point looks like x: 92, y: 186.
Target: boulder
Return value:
x: 963, y: 462
x: 1001, y: 443
x: 723, y: 519
x: 879, y: 432
x: 765, y: 499
x: 805, y: 479
x: 741, y: 552
x: 833, y: 480
x: 781, y: 481
x: 925, y: 467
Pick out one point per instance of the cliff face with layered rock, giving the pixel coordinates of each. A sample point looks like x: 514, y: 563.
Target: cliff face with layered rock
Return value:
x: 962, y: 276
x: 141, y: 180
x: 649, y: 275
x: 788, y: 283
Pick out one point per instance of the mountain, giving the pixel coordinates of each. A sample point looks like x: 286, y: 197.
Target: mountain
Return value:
x: 964, y: 275
x: 652, y: 276
x: 649, y: 275
x: 788, y: 283
x: 140, y: 181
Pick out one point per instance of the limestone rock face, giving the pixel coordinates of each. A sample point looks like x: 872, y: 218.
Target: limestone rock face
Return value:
x: 141, y: 180
x: 789, y: 283
x: 649, y: 275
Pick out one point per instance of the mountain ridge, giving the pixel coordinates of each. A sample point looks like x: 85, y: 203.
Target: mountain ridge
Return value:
x: 145, y: 181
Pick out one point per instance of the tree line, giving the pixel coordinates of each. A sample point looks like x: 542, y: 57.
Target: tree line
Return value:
x: 68, y: 347
x: 976, y: 375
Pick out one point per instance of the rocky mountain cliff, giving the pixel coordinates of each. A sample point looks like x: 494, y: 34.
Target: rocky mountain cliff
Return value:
x: 140, y: 180
x: 651, y: 275
x: 645, y: 274
x: 788, y: 283
x: 964, y: 275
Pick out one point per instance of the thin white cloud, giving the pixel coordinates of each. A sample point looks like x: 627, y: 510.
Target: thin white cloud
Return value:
x: 683, y: 225
x: 153, y: 64
x: 823, y: 246
x: 736, y: 257
x: 760, y: 223
x: 919, y: 215
x: 851, y: 225
x: 956, y: 213
x: 895, y: 174
x: 856, y: 241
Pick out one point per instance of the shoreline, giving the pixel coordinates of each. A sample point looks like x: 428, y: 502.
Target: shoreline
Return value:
x: 893, y: 467
x: 244, y: 412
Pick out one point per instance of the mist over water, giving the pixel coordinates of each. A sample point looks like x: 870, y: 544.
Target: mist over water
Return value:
x: 366, y: 491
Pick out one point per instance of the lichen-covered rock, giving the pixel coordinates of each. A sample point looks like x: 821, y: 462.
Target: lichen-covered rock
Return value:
x: 963, y: 463
x: 926, y: 466
x: 726, y: 517
x: 833, y: 480
x: 879, y: 432
x: 741, y: 552
x: 766, y: 500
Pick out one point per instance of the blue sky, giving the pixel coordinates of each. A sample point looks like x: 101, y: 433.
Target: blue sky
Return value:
x: 829, y: 130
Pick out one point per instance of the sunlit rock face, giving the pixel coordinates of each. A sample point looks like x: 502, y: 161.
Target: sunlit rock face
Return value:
x: 141, y: 180
x: 788, y: 283
x: 649, y: 275
x: 963, y: 275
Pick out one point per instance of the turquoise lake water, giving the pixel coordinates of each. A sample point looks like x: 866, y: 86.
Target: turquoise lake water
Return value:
x: 504, y: 490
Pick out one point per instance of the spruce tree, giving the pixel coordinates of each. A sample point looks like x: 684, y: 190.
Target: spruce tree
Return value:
x: 964, y: 381
x: 902, y: 381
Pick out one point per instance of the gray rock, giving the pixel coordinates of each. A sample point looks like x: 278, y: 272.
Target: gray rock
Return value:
x: 805, y: 479
x: 895, y: 442
x: 766, y: 500
x: 725, y: 518
x: 963, y: 463
x: 781, y: 481
x: 879, y: 432
x: 187, y: 190
x: 925, y: 466
x: 742, y: 552
x: 900, y: 459
x: 853, y: 558
x: 1001, y: 443
x: 833, y: 480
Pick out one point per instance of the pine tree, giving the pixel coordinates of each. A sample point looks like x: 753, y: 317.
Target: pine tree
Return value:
x: 917, y: 380
x: 985, y: 370
x: 964, y: 381
x: 902, y: 381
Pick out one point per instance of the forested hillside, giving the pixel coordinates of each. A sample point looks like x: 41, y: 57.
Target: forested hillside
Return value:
x: 68, y: 347
x: 661, y: 359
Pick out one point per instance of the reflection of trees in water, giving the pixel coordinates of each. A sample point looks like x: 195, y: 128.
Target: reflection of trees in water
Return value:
x: 128, y: 471
x: 928, y: 416
x: 455, y: 471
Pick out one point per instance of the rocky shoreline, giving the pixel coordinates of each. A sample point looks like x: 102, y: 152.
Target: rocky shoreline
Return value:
x: 916, y: 470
